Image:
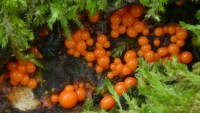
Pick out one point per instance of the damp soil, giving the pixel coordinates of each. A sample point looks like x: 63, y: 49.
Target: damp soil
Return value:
x: 58, y: 72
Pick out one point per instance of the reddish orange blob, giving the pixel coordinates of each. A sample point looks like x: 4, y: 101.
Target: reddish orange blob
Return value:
x: 94, y: 18
x: 107, y: 102
x: 128, y: 19
x: 136, y: 10
x: 149, y: 56
x: 120, y: 88
x: 32, y: 83
x: 68, y: 99
x: 130, y: 82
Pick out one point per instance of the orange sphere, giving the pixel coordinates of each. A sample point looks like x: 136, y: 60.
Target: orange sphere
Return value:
x: 107, y: 102
x: 54, y: 98
x: 81, y: 94
x: 68, y: 99
x: 103, y: 61
x: 32, y: 83
x: 120, y: 88
x: 94, y: 18
x: 130, y: 82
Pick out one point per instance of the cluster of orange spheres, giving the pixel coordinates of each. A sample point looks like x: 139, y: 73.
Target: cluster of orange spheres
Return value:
x: 69, y: 97
x: 121, y: 87
x: 101, y: 55
x: 177, y: 40
x: 126, y: 20
x: 108, y: 101
x: 19, y: 73
x: 119, y: 69
x: 77, y: 46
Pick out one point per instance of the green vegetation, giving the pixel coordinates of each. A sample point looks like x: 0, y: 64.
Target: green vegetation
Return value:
x: 170, y: 88
x: 196, y: 68
x: 88, y: 105
x: 195, y: 29
x: 19, y: 18
x: 195, y: 32
x: 118, y: 51
x: 167, y: 89
x: 155, y: 7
